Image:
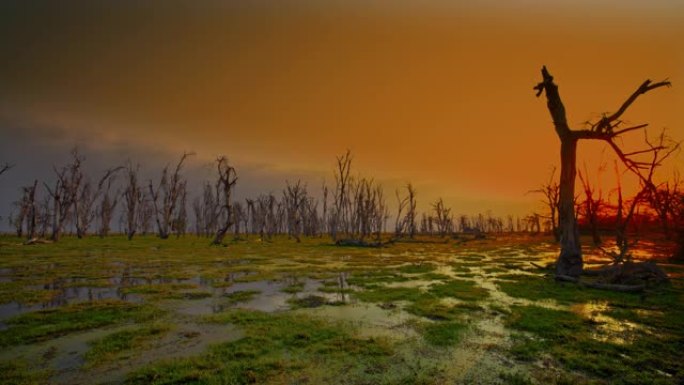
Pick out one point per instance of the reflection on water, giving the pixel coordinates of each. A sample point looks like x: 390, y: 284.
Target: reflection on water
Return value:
x: 608, y: 329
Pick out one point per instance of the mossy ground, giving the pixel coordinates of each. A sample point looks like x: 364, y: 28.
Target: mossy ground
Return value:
x: 406, y: 313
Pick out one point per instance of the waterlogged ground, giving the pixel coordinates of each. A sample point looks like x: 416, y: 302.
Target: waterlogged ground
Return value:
x: 445, y: 312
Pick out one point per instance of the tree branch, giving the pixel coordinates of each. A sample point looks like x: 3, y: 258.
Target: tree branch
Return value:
x: 5, y: 167
x: 605, y: 123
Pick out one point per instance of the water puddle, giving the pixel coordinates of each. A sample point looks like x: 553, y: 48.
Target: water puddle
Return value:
x: 608, y: 329
x: 369, y: 320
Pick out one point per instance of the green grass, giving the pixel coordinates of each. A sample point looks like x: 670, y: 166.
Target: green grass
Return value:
x: 390, y: 294
x: 116, y: 344
x: 443, y: 333
x: 285, y: 348
x: 310, y: 301
x: 570, y: 339
x: 434, y: 309
x: 293, y: 288
x: 242, y: 296
x: 47, y: 324
x: 18, y: 372
x: 463, y: 290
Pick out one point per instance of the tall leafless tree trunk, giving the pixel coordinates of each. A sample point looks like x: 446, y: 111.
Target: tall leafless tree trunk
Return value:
x: 569, y: 261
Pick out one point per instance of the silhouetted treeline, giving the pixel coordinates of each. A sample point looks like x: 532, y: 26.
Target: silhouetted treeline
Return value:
x: 353, y: 209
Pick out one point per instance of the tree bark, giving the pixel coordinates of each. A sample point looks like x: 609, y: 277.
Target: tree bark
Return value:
x: 570, y: 259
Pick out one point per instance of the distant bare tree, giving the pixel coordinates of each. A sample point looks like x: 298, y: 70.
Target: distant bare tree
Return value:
x: 659, y: 151
x: 64, y: 192
x: 146, y: 214
x: 591, y: 206
x: 443, y: 217
x: 180, y: 222
x: 294, y: 197
x: 406, y: 222
x: 44, y: 217
x: 551, y: 190
x: 238, y: 215
x: 133, y: 196
x: 679, y: 228
x: 324, y: 216
x: 227, y: 177
x: 86, y: 197
x: 166, y: 197
x: 27, y: 216
x: 5, y: 167
x: 339, y: 221
x: 664, y: 201
x: 108, y: 202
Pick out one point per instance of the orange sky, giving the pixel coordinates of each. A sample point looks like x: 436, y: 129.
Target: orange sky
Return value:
x: 438, y: 94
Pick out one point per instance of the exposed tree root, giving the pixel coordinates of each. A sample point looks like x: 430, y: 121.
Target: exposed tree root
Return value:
x: 629, y: 277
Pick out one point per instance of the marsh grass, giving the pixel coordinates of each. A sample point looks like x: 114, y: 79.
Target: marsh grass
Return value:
x: 284, y: 348
x: 47, y: 324
x: 123, y: 342
x: 440, y: 292
x: 241, y: 296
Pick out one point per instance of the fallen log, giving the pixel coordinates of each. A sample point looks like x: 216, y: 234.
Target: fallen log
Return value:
x: 602, y: 286
x: 37, y: 241
x: 615, y: 287
x: 357, y: 243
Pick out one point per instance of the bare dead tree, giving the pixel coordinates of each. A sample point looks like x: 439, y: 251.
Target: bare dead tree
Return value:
x: 659, y: 151
x: 551, y: 192
x: 238, y: 215
x: 664, y: 201
x: 225, y: 184
x: 406, y: 224
x: 339, y: 221
x: 591, y: 206
x: 64, y: 192
x: 44, y: 217
x: 86, y: 197
x: 5, y: 167
x: 180, y: 222
x: 28, y: 213
x: 608, y: 129
x: 108, y: 202
x: 443, y: 218
x: 166, y: 197
x: 324, y: 217
x: 294, y: 198
x: 133, y: 197
x: 679, y: 228
x: 146, y: 214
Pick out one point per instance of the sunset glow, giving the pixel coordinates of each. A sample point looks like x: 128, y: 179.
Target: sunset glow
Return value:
x: 438, y: 94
